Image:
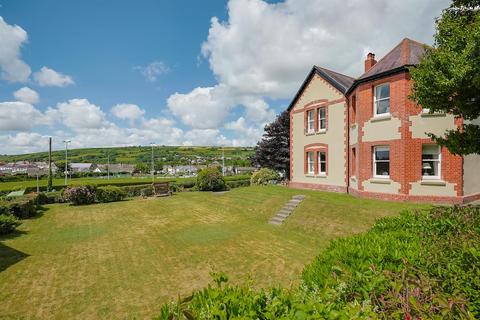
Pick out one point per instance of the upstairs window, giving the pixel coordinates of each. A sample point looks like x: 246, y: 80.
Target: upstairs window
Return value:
x: 322, y: 163
x: 381, y: 162
x: 322, y: 119
x: 381, y: 100
x: 310, y: 121
x: 431, y: 161
x: 310, y: 163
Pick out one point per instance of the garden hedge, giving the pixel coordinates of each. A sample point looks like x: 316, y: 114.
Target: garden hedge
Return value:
x: 419, y: 265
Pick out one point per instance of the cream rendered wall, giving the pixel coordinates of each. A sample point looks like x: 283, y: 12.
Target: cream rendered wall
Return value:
x: 471, y: 170
x: 353, y: 134
x: 334, y: 136
x: 317, y: 89
x: 381, y: 186
x: 381, y: 129
x: 446, y: 189
x: 434, y: 123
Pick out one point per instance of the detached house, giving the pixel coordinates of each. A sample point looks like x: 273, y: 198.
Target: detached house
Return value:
x: 365, y: 137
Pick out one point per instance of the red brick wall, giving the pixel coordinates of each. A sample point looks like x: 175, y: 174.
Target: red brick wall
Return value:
x: 405, y: 153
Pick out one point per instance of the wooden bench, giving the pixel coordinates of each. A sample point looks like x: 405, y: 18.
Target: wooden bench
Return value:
x: 161, y: 189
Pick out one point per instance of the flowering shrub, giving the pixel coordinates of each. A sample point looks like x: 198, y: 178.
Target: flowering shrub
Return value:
x: 264, y: 176
x: 79, y: 195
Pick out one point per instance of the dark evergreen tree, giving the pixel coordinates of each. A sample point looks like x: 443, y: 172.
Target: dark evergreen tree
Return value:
x: 447, y: 79
x: 273, y: 151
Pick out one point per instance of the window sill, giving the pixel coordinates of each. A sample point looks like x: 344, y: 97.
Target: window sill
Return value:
x: 378, y: 180
x: 381, y: 117
x: 310, y: 175
x: 321, y: 175
x: 322, y: 131
x: 310, y: 133
x: 432, y: 115
x: 433, y: 182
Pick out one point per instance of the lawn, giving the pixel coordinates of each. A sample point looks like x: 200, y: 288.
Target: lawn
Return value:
x: 124, y: 259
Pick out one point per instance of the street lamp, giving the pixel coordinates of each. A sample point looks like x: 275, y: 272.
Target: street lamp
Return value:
x: 66, y: 159
x: 153, y: 166
x: 223, y: 160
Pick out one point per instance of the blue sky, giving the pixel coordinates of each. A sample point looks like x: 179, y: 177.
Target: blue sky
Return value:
x: 105, y: 73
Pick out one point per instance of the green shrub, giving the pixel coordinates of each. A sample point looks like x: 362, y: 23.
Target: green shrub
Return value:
x: 147, y: 192
x: 210, y: 179
x: 238, y: 183
x: 21, y: 207
x: 110, y: 194
x: 80, y: 195
x: 8, y: 223
x: 133, y: 191
x: 419, y: 265
x: 264, y: 176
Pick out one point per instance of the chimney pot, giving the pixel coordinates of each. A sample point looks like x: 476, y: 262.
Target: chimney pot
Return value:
x: 370, y: 61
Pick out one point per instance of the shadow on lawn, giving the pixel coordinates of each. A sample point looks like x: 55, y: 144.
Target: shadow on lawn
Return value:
x: 10, y: 256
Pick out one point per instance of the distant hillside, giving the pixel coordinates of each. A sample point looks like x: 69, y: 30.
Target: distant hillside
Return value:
x: 142, y: 154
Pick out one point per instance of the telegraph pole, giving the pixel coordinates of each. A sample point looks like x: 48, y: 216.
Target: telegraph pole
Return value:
x: 153, y: 166
x: 108, y: 166
x: 50, y: 182
x: 223, y: 160
x: 66, y: 159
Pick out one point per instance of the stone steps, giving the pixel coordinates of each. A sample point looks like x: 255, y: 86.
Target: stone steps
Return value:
x: 286, y: 210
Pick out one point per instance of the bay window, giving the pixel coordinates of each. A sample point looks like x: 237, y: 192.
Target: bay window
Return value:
x: 381, y: 100
x: 431, y: 161
x: 381, y: 162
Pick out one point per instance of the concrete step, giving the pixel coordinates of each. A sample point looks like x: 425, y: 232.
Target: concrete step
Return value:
x: 298, y: 197
x: 275, y: 222
x: 295, y: 201
x: 284, y: 211
x: 283, y: 215
x: 277, y: 218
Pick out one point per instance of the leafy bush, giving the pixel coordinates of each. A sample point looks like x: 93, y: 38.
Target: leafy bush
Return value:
x: 238, y: 183
x: 80, y: 195
x: 8, y: 223
x: 133, y: 191
x: 110, y: 194
x: 21, y: 207
x: 210, y: 179
x: 419, y: 265
x: 264, y: 176
x: 147, y: 192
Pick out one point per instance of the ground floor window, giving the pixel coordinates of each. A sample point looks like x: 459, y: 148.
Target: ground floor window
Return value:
x: 381, y: 161
x: 322, y: 162
x: 310, y: 163
x: 431, y: 161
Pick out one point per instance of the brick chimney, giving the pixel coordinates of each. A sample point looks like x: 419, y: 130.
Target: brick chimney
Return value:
x: 370, y: 61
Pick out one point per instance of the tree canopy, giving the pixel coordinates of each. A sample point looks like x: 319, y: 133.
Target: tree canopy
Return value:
x: 273, y: 151
x: 447, y: 80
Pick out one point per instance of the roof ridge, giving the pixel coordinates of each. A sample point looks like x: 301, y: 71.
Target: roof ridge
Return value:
x: 341, y: 74
x: 383, y: 58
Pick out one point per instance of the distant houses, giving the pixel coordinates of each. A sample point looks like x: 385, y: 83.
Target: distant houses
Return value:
x: 25, y: 167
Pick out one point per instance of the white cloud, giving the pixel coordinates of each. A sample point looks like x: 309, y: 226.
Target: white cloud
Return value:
x: 78, y: 114
x: 202, y: 108
x: 127, y: 111
x: 249, y: 134
x: 153, y: 70
x: 12, y: 67
x: 204, y: 137
x: 26, y: 95
x: 18, y: 116
x: 47, y: 77
x: 265, y: 50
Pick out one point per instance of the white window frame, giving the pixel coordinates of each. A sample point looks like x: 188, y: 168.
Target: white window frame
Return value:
x: 375, y: 162
x: 375, y: 101
x: 320, y: 119
x: 320, y: 172
x: 311, y: 121
x: 439, y: 160
x: 310, y: 162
